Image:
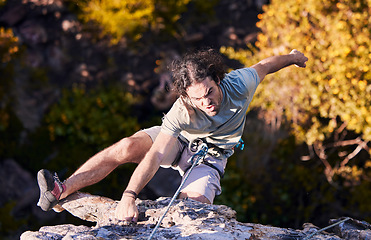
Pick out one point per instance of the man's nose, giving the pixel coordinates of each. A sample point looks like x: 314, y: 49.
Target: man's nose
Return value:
x: 206, y: 101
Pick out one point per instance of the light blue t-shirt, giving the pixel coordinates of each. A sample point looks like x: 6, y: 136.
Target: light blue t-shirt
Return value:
x: 224, y: 129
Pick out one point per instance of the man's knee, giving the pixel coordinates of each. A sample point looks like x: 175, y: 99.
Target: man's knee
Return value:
x: 194, y: 196
x: 130, y: 149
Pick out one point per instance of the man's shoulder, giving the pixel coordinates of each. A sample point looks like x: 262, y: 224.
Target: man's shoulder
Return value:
x: 181, y: 109
x: 181, y: 104
x: 241, y: 82
x: 241, y: 73
x: 178, y: 118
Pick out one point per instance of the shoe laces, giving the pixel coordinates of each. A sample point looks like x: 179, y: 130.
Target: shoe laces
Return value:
x: 56, y: 178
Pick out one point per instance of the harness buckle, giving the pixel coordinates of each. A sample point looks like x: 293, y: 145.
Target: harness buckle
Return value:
x: 195, y: 144
x: 200, y: 148
x: 240, y: 145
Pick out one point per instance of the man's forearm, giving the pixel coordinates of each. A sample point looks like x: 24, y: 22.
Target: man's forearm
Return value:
x: 160, y: 150
x: 275, y: 63
x: 143, y: 173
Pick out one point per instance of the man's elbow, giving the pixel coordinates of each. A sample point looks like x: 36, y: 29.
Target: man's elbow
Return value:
x: 261, y: 70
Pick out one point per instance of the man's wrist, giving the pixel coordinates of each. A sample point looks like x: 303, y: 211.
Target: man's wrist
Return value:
x: 130, y: 193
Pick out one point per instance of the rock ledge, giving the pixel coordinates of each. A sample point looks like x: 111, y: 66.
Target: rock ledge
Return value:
x: 186, y: 219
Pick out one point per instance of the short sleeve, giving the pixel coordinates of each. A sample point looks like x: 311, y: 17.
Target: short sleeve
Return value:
x: 176, y: 120
x: 244, y: 81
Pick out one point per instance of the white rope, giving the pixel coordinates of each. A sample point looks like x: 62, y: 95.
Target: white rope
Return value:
x: 325, y: 228
x: 199, y: 155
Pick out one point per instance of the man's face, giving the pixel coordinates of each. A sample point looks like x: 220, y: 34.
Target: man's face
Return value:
x: 206, y: 96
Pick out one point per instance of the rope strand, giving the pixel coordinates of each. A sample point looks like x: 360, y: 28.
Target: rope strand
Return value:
x: 195, y: 160
x: 325, y: 228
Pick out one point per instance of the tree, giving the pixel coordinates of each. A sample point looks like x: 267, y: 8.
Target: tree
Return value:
x: 327, y: 105
x: 131, y: 18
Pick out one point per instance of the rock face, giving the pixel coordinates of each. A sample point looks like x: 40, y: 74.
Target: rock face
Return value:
x: 186, y: 219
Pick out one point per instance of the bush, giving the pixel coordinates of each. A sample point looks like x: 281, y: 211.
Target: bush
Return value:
x: 131, y: 18
x: 10, y: 126
x: 326, y: 108
x: 328, y: 103
x: 85, y: 122
x: 117, y: 18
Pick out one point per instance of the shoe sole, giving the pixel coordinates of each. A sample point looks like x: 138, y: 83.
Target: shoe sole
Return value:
x: 46, y: 201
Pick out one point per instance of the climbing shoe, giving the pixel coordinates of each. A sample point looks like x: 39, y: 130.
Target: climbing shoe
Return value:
x: 51, y: 189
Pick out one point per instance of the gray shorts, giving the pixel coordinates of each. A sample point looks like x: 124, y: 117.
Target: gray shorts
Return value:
x: 203, y: 179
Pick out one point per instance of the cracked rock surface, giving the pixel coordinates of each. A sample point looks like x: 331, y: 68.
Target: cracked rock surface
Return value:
x: 186, y: 219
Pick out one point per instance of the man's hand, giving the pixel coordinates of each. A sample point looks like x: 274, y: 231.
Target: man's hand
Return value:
x: 300, y: 59
x: 126, y: 210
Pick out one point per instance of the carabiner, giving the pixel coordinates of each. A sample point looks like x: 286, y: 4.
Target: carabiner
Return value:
x: 195, y: 143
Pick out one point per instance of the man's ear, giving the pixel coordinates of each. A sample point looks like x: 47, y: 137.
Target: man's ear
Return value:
x: 217, y: 80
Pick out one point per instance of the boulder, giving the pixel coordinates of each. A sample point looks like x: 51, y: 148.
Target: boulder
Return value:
x: 186, y: 219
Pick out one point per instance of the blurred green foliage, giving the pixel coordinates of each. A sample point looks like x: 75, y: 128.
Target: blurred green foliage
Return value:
x: 326, y: 108
x: 87, y: 121
x: 118, y: 17
x: 10, y: 126
x: 82, y: 123
x: 9, y: 50
x: 132, y: 18
x: 95, y: 117
x: 76, y: 127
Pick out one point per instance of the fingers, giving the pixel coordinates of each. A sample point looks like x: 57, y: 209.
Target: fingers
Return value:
x: 301, y: 59
x: 126, y: 212
x: 294, y: 51
x: 127, y: 221
x: 135, y: 218
x: 301, y: 64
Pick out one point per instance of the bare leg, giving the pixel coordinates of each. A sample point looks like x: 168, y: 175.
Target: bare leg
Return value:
x: 131, y: 149
x: 194, y: 196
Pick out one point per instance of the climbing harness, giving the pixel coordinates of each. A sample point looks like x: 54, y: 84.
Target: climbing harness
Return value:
x: 200, y: 147
x: 193, y: 146
x: 194, y: 160
x: 325, y: 228
x: 213, y: 151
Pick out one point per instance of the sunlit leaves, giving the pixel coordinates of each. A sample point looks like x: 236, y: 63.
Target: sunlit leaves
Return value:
x: 119, y: 17
x: 332, y: 96
x: 337, y: 82
x: 8, y: 45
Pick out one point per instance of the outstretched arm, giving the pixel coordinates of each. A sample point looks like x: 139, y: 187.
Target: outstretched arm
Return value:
x: 275, y: 63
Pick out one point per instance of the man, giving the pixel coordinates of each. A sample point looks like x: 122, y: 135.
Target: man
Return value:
x: 212, y: 106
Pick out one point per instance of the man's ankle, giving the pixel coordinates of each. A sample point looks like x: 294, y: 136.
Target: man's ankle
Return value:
x: 59, y: 188
x: 64, y: 194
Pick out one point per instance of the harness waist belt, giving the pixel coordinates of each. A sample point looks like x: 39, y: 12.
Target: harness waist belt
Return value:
x: 213, y: 151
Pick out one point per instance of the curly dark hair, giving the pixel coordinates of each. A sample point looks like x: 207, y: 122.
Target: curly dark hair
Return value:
x: 195, y: 67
